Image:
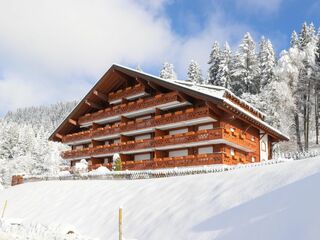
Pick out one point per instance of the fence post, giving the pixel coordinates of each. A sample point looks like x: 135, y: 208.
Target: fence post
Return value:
x: 4, y: 208
x: 120, y: 223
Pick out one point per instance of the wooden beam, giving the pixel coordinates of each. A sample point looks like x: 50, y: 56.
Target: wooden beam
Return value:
x: 158, y: 111
x: 73, y: 122
x: 143, y: 82
x: 129, y: 79
x: 156, y: 87
x: 100, y: 95
x: 186, y: 97
x: 59, y: 136
x: 217, y: 112
x: 125, y: 119
x: 94, y: 105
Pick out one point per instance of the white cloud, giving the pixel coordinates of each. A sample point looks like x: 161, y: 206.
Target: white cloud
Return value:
x: 55, y: 50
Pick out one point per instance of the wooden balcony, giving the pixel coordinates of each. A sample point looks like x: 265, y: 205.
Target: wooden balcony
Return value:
x: 128, y: 93
x: 76, y: 154
x: 84, y: 136
x: 160, y: 100
x: 172, y: 162
x: 189, y: 139
x: 158, y: 121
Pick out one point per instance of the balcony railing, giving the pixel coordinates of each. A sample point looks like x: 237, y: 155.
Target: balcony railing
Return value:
x: 157, y: 121
x: 140, y: 104
x: 78, y: 153
x: 162, y: 143
x: 189, y: 137
x: 77, y: 137
x: 171, y: 162
x: 127, y: 93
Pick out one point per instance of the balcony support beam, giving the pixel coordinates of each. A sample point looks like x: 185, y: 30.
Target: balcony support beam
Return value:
x: 59, y: 136
x: 73, y: 122
x: 94, y: 105
x: 100, y: 95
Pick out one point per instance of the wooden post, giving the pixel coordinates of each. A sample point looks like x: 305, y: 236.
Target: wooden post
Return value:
x: 120, y: 223
x: 4, y: 208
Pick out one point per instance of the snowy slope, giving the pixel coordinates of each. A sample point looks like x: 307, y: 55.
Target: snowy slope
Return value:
x: 278, y: 201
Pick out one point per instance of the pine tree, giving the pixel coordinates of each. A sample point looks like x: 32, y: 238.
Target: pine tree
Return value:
x: 223, y: 76
x: 194, y: 72
x: 267, y: 62
x: 307, y: 40
x: 245, y: 72
x: 214, y: 61
x: 167, y: 72
x: 294, y: 42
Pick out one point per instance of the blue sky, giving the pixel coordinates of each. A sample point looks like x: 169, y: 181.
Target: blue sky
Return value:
x: 56, y: 50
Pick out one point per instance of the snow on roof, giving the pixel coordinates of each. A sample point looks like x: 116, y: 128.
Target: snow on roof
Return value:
x: 216, y: 92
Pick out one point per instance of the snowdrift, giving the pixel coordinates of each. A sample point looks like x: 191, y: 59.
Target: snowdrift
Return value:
x: 279, y: 201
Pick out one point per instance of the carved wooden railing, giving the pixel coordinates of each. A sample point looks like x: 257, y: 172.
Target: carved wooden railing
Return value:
x: 129, y: 107
x: 125, y: 93
x: 179, y: 116
x: 85, y: 135
x: 189, y: 137
x: 78, y: 153
x: 171, y: 162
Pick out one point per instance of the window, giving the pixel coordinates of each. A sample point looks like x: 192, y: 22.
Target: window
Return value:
x: 178, y: 153
x: 116, y: 140
x: 232, y: 152
x: 146, y: 136
x: 205, y: 127
x: 263, y: 146
x: 183, y: 130
x: 139, y: 157
x: 253, y: 159
x: 205, y: 150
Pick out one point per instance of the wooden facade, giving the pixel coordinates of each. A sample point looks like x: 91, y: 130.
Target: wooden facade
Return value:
x: 154, y: 123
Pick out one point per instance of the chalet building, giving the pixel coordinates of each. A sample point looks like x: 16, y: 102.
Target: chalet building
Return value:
x: 156, y: 123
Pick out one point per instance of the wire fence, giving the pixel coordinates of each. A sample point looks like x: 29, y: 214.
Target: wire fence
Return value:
x: 170, y: 172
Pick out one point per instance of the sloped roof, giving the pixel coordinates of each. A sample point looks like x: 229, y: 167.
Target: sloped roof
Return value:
x: 216, y: 94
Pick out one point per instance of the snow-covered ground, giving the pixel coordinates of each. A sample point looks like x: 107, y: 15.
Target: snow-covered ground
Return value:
x: 279, y: 201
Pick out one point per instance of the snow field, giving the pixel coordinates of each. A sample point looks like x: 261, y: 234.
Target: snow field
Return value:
x: 277, y: 201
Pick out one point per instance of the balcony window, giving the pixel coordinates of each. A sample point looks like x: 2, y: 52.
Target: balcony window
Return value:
x: 205, y: 127
x: 178, y: 131
x: 205, y: 150
x: 178, y: 153
x: 139, y: 157
x: 141, y: 137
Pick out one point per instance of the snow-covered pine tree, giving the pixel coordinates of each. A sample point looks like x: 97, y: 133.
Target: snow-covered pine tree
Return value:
x: 194, y: 72
x: 224, y: 74
x: 214, y: 61
x: 307, y: 41
x: 245, y: 72
x: 167, y: 71
x: 267, y: 62
x: 316, y: 76
x: 294, y: 42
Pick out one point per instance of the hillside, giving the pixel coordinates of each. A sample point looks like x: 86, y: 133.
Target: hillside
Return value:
x: 270, y: 202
